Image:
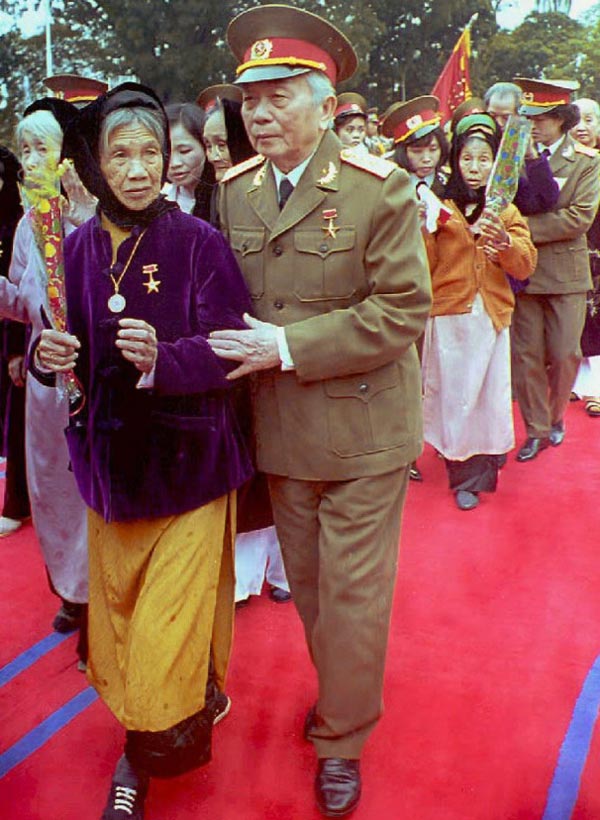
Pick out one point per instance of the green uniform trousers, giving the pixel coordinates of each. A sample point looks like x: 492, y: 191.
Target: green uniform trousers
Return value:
x: 340, y: 547
x: 546, y: 333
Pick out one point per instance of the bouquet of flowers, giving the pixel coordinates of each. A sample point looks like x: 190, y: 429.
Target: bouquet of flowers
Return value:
x: 42, y: 198
x: 504, y: 178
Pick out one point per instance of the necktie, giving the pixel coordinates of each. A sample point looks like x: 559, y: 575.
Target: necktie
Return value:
x: 546, y: 153
x: 285, y: 190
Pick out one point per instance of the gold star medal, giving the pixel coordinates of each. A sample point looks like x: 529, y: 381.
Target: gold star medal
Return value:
x: 152, y: 283
x: 330, y: 228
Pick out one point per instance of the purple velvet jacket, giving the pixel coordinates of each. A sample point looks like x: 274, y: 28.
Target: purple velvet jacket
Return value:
x: 139, y: 453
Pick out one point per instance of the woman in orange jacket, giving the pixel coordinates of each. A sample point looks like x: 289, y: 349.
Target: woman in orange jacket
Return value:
x: 466, y: 356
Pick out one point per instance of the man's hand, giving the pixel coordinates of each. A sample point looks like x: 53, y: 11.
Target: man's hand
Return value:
x: 255, y: 348
x: 138, y: 344
x: 57, y: 351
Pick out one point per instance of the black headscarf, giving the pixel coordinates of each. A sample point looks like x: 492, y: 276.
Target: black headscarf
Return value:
x: 457, y: 189
x: 64, y: 112
x: 81, y: 144
x: 240, y: 149
x: 10, y: 205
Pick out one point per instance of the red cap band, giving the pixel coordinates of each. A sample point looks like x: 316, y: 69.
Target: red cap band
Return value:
x: 287, y: 51
x: 413, y: 123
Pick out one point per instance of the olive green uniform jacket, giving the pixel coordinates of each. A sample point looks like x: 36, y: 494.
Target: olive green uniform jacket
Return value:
x: 353, y: 293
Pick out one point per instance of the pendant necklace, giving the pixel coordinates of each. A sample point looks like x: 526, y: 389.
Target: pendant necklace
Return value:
x: 116, y: 303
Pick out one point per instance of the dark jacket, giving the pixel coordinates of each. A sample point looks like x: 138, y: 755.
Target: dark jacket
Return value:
x: 140, y: 453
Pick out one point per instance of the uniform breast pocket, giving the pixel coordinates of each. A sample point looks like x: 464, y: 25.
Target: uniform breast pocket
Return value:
x: 325, y: 266
x: 248, y: 245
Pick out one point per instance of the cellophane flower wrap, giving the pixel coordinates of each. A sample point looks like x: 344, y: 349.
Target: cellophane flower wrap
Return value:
x: 41, y: 195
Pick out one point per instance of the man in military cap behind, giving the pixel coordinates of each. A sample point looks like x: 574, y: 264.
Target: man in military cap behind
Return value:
x: 550, y: 313
x: 330, y: 246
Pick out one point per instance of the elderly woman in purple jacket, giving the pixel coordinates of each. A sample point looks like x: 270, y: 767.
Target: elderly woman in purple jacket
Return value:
x: 156, y: 451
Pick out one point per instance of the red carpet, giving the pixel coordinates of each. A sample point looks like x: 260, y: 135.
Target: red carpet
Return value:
x: 496, y: 627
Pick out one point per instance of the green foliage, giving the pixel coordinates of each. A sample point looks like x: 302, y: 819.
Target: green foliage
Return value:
x: 178, y: 46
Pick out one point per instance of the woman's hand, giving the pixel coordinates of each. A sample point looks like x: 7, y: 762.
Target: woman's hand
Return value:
x: 57, y: 351
x: 17, y: 371
x: 138, y: 344
x: 493, y: 231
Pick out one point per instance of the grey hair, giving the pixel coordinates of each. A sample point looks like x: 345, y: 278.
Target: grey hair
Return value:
x: 506, y: 90
x: 121, y: 117
x: 320, y: 85
x: 321, y: 88
x: 592, y: 103
x: 41, y: 124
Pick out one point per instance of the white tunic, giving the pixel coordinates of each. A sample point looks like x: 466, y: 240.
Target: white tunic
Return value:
x: 467, y: 408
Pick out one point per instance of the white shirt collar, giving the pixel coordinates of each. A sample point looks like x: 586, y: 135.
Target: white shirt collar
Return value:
x: 428, y: 180
x: 294, y: 175
x: 552, y: 148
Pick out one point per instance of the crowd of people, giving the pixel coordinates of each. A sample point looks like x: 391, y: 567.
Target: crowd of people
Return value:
x: 273, y: 296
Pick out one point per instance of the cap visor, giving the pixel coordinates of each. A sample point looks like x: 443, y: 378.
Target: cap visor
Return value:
x: 535, y: 110
x: 269, y: 72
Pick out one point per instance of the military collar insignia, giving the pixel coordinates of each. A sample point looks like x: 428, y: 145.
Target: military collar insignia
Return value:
x: 259, y: 177
x: 328, y: 174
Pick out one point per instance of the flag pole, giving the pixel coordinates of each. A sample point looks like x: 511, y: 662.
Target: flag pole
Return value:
x: 49, y: 67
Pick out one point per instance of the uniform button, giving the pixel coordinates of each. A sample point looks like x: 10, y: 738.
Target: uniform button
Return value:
x: 363, y: 388
x: 277, y: 250
x: 278, y: 305
x: 324, y: 247
x: 245, y: 247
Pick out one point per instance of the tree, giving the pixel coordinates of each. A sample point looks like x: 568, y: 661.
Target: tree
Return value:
x: 544, y: 46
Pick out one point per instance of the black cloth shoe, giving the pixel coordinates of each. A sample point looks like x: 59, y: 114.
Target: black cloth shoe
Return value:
x: 466, y: 500
x: 337, y: 786
x: 414, y: 473
x: 69, y: 617
x: 531, y: 448
x: 127, y: 794
x: 280, y: 596
x: 557, y: 433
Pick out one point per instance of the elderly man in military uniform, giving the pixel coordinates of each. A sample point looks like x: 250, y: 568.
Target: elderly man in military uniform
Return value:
x: 330, y: 247
x: 550, y: 313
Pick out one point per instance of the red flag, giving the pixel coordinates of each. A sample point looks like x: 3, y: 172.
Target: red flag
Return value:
x: 453, y: 86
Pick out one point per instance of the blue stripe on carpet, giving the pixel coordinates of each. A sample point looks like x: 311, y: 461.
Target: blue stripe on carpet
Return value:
x: 564, y: 788
x: 30, y: 656
x: 44, y: 731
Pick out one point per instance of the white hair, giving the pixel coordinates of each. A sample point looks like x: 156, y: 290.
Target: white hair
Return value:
x: 121, y: 117
x: 40, y: 125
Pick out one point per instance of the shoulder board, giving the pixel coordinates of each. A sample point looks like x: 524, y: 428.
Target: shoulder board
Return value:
x: 242, y: 167
x: 585, y: 149
x: 377, y: 166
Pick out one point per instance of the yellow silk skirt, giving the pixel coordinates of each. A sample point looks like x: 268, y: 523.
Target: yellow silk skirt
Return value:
x: 161, y: 602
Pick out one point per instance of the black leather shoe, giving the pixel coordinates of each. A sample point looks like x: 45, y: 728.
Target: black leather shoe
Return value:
x: 466, y: 500
x: 557, y: 433
x: 280, y: 596
x: 337, y: 786
x: 531, y: 448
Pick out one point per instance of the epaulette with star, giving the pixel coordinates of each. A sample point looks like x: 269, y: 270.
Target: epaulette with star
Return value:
x: 377, y: 166
x: 242, y: 167
x: 586, y: 149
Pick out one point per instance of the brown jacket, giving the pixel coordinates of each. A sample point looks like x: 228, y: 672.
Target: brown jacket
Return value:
x: 353, y: 300
x: 560, y: 235
x: 460, y: 269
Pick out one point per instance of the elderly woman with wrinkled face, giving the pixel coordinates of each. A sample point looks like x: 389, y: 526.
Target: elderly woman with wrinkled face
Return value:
x: 156, y: 452
x: 58, y: 513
